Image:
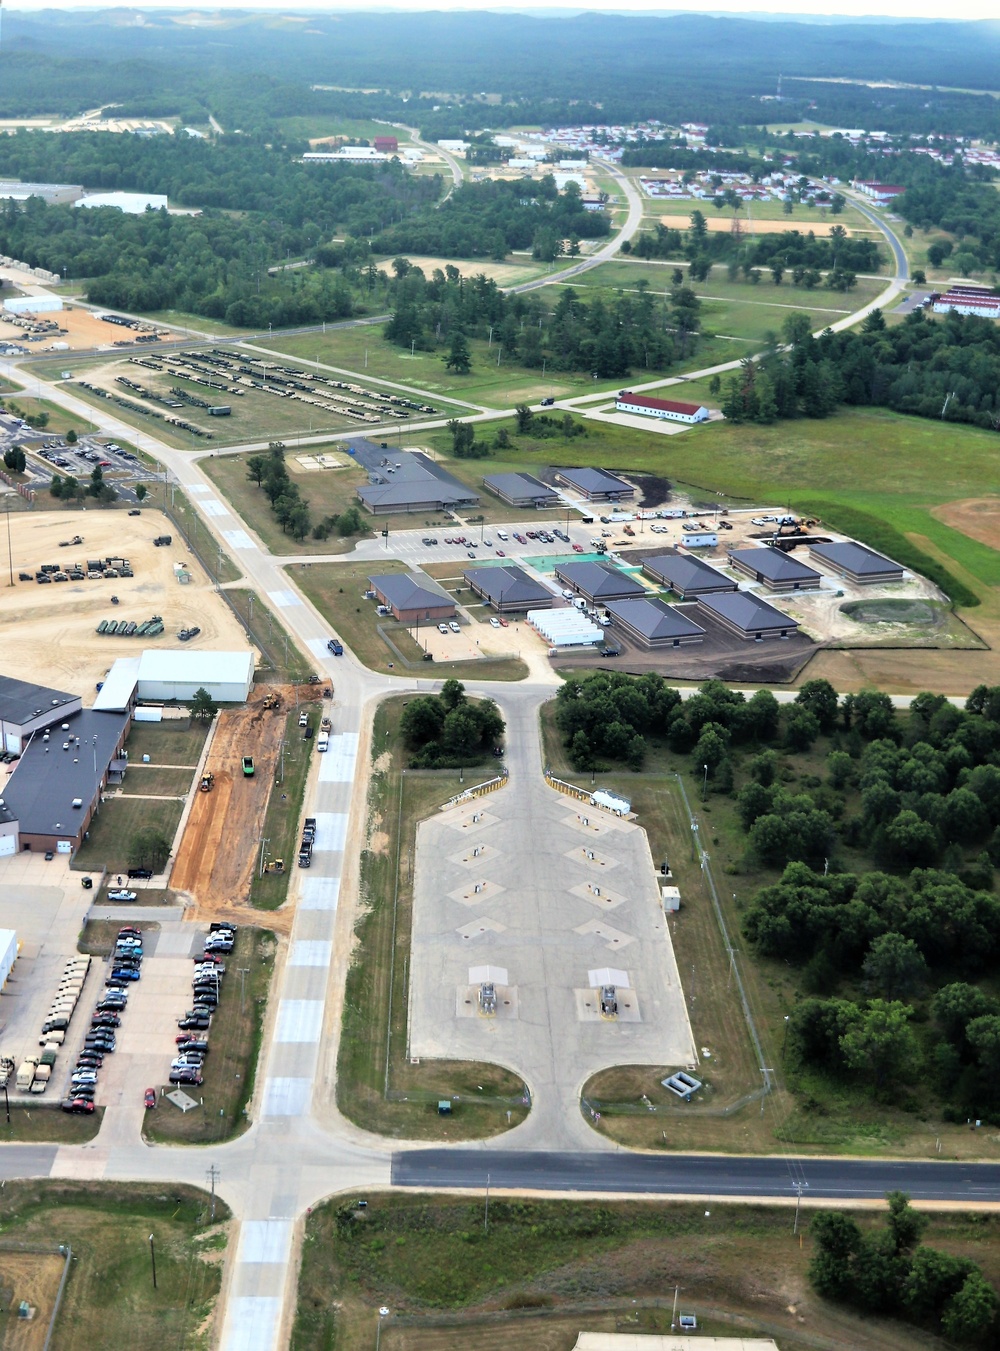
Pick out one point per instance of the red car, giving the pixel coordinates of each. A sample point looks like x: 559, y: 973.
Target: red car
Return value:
x: 578, y: 548
x: 504, y: 624
x: 150, y: 1098
x: 501, y: 554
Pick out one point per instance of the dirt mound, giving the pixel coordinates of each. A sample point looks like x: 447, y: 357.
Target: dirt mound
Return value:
x: 977, y: 517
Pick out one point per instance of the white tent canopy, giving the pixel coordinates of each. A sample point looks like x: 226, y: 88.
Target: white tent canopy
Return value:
x: 565, y: 628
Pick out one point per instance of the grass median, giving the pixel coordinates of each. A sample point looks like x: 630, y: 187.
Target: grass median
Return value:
x: 110, y: 1299
x: 268, y: 890
x: 541, y: 1271
x: 235, y: 1043
x: 373, y: 1055
x: 281, y: 654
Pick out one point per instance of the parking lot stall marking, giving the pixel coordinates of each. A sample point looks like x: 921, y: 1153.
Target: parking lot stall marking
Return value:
x: 299, y: 1020
x: 238, y: 539
x: 320, y: 893
x: 331, y: 832
x: 251, y: 1323
x: 310, y: 952
x: 211, y: 506
x: 337, y: 765
x: 264, y: 1241
x: 284, y: 600
x: 286, y: 1097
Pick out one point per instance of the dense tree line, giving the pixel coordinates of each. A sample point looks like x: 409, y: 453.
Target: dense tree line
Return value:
x: 888, y: 1271
x: 791, y: 253
x: 946, y: 368
x: 450, y: 729
x: 609, y: 336
x: 489, y: 219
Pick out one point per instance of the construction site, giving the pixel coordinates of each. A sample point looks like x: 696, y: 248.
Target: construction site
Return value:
x: 222, y: 844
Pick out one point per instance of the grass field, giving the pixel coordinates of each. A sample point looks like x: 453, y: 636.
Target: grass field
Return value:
x: 177, y: 741
x: 115, y: 826
x: 547, y: 1269
x: 281, y: 655
x: 47, y: 1125
x: 110, y: 1300
x: 373, y: 1040
x: 60, y: 421
x: 235, y: 1040
x: 328, y: 492
x: 281, y: 824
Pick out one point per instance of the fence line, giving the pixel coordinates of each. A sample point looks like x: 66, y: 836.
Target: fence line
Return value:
x: 478, y: 790
x: 59, y: 1296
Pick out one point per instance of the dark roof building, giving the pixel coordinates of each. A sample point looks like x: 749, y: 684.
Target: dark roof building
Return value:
x: 596, y: 485
x: 653, y: 623
x: 509, y: 588
x: 686, y: 575
x: 26, y: 708
x: 57, y: 783
x: 521, y: 490
x: 858, y: 564
x: 747, y: 617
x: 413, y: 597
x: 599, y: 581
x: 775, y: 569
x: 405, y: 481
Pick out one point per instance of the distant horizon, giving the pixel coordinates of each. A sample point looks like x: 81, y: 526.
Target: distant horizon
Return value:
x: 811, y: 11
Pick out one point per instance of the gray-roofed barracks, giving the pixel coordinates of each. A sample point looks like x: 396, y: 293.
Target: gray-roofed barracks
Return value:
x: 60, y: 768
x: 599, y: 581
x: 413, y: 596
x: 404, y: 481
x: 686, y: 575
x: 746, y: 616
x: 653, y: 623
x: 777, y: 570
x: 596, y: 485
x: 521, y: 490
x: 857, y: 563
x: 509, y: 588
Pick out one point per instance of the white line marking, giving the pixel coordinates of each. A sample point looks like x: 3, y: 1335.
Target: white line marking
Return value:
x: 213, y: 507
x: 286, y: 1097
x: 265, y: 1241
x: 310, y: 952
x: 238, y: 539
x: 320, y: 893
x: 299, y: 1020
x: 337, y: 765
x: 331, y: 831
x: 283, y: 599
x: 251, y: 1323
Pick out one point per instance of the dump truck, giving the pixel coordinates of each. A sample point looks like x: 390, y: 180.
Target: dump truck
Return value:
x: 26, y: 1072
x: 305, y: 854
x: 248, y: 769
x: 309, y: 829
x: 207, y: 780
x: 326, y: 725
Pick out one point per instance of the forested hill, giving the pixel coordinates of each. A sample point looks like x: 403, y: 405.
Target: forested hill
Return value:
x: 550, y: 68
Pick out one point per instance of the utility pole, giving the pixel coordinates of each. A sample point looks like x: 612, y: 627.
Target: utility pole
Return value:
x: 213, y: 1177
x: 798, y: 1203
x: 673, y: 1316
x: 152, y: 1258
x: 10, y: 555
x: 486, y: 1217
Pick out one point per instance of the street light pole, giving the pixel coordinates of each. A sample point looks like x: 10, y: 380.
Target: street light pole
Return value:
x: 152, y: 1258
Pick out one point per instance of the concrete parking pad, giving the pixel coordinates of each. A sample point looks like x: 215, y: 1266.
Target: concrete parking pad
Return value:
x: 526, y: 898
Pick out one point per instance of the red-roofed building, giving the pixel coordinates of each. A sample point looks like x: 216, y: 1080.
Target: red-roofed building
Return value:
x: 880, y: 192
x: 668, y: 409
x: 386, y: 145
x: 969, y: 300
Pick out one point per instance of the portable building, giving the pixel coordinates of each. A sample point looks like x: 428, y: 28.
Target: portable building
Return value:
x: 178, y: 674
x: 8, y: 954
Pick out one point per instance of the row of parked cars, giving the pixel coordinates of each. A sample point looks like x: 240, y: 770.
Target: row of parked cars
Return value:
x: 192, y: 1042
x: 126, y: 967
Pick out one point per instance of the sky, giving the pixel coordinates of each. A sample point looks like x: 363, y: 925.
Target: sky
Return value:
x: 893, y: 9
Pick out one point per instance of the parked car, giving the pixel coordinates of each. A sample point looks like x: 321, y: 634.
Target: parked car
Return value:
x: 143, y: 874
x: 578, y: 548
x: 454, y: 626
x: 79, y: 1106
x: 121, y: 895
x: 504, y: 623
x: 194, y: 1020
x: 494, y: 622
x: 129, y: 930
x: 125, y: 973
x: 187, y: 1043
x: 186, y: 1077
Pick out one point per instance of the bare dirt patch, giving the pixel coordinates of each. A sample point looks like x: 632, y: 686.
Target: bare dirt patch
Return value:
x: 977, y: 517
x: 50, y: 631
x: 760, y: 227
x: 33, y: 1277
x: 219, y: 848
x: 77, y: 330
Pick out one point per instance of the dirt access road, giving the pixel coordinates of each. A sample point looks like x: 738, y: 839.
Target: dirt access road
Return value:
x: 220, y: 844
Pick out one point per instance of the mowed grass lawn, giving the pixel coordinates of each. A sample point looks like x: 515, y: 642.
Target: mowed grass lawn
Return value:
x: 109, y: 1299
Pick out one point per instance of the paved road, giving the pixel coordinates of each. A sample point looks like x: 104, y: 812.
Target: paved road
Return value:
x: 696, y: 1175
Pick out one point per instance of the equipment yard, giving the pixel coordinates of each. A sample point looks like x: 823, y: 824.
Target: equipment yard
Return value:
x: 219, y: 849
x: 50, y: 631
x: 72, y: 330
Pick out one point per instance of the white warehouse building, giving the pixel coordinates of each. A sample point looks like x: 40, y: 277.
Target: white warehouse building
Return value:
x: 40, y: 304
x: 164, y: 676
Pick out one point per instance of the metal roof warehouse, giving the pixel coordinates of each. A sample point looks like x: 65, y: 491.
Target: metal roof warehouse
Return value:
x: 598, y: 581
x: 596, y: 485
x: 671, y: 410
x: 774, y: 568
x: 746, y: 616
x: 855, y: 562
x: 651, y: 622
x: 686, y: 575
x: 509, y: 588
x: 27, y: 708
x: 521, y: 490
x: 413, y: 597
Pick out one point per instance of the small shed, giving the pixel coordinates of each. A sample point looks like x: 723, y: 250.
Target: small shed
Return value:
x: 671, y: 898
x: 8, y: 954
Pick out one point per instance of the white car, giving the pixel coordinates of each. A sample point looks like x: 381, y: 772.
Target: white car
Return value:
x: 442, y: 628
x: 494, y: 622
x: 123, y: 896
x: 454, y: 627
